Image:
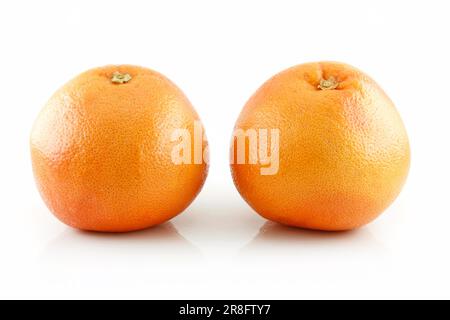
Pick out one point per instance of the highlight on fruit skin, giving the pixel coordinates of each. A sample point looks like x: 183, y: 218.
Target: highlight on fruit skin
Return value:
x: 343, y: 153
x: 102, y: 150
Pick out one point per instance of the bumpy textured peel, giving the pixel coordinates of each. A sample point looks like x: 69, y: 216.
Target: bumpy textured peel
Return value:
x: 344, y: 153
x: 101, y: 151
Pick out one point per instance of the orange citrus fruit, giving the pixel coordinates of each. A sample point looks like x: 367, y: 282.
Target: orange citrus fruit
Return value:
x: 343, y: 152
x: 101, y: 150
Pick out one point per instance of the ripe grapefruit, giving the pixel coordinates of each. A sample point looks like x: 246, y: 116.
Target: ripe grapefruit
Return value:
x: 343, y: 149
x: 101, y: 150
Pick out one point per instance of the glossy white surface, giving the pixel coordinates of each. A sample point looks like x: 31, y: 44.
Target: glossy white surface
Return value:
x: 219, y: 54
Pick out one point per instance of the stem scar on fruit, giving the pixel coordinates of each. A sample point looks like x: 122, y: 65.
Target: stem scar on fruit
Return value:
x: 120, y: 78
x: 328, y: 84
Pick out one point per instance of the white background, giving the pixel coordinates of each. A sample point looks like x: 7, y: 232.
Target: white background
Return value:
x: 219, y: 53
